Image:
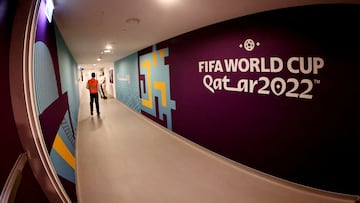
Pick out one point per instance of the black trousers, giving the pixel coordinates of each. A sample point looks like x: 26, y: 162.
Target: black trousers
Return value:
x: 94, y: 97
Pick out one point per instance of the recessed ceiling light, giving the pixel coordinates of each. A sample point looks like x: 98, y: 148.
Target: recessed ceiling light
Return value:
x: 108, y: 46
x: 133, y: 20
x: 167, y: 2
x: 49, y: 9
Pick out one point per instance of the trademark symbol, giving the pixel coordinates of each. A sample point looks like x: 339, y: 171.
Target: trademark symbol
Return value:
x: 316, y: 81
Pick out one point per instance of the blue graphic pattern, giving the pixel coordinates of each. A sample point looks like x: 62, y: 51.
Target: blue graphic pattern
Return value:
x: 156, y: 85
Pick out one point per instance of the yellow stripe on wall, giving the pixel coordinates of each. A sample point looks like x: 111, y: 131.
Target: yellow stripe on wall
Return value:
x: 154, y: 55
x: 64, y: 152
x: 161, y: 86
x: 147, y: 102
x: 162, y: 53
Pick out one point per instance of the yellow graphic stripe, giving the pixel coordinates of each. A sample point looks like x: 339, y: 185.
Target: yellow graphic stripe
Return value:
x: 147, y: 102
x: 64, y: 152
x: 154, y: 59
x: 161, y: 86
x: 162, y: 53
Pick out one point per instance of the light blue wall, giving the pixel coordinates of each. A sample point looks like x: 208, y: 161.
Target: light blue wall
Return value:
x: 69, y: 76
x: 127, y: 81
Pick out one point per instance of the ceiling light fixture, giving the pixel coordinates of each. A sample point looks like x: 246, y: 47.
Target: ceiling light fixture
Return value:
x: 108, y: 46
x: 167, y: 2
x: 49, y: 9
x: 132, y: 20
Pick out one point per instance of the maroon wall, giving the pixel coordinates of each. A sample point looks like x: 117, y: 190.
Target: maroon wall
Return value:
x: 10, y: 146
x: 311, y: 140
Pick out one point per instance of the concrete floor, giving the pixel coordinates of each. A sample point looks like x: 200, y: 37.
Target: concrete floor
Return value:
x: 125, y: 157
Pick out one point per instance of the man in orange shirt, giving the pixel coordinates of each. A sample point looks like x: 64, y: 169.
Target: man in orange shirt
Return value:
x: 93, y: 86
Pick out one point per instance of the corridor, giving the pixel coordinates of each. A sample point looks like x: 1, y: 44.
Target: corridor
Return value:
x: 259, y: 103
x: 124, y: 157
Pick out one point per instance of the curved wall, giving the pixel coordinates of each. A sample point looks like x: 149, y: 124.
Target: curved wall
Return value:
x: 276, y: 91
x: 44, y: 94
x: 57, y: 98
x: 10, y: 141
x: 10, y: 145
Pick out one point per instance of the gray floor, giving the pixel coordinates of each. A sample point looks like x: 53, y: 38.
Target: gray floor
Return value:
x: 124, y: 157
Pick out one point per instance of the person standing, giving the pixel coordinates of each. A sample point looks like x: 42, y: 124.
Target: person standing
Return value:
x: 93, y: 86
x: 102, y: 81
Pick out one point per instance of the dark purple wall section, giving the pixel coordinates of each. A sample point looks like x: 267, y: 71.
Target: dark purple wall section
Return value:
x: 10, y: 147
x: 309, y: 141
x: 51, y: 118
x: 29, y: 189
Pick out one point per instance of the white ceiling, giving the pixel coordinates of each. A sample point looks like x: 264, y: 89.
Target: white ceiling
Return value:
x: 88, y: 25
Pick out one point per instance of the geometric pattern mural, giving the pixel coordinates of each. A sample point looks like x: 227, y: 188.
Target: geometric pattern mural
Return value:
x: 155, y: 85
x: 58, y: 132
